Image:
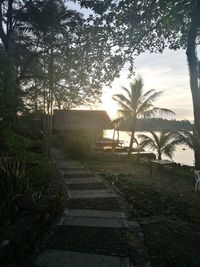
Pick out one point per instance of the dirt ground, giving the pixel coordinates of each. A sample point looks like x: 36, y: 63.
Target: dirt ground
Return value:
x: 165, y: 205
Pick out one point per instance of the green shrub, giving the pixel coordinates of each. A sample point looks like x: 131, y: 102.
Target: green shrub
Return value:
x: 77, y: 147
x: 13, y: 183
x: 40, y: 169
x: 17, y: 144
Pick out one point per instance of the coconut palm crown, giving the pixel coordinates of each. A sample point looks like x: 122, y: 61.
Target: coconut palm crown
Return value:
x: 163, y: 142
x: 136, y: 105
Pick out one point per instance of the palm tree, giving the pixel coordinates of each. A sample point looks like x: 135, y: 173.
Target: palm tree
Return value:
x: 163, y: 142
x: 192, y: 140
x: 135, y: 105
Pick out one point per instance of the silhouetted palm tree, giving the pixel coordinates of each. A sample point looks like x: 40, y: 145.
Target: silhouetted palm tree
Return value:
x: 135, y: 105
x: 163, y: 142
x: 192, y: 140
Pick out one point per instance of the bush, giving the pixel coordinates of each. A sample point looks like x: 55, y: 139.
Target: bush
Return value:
x: 77, y: 147
x: 13, y: 183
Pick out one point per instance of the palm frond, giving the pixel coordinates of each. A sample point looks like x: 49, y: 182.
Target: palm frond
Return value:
x: 122, y: 101
x: 147, y: 94
x: 192, y: 140
x: 156, y: 139
x: 143, y: 108
x: 150, y: 98
x: 170, y: 148
x: 164, y: 143
x: 146, y: 141
x: 136, y: 91
x: 154, y: 111
x: 127, y: 91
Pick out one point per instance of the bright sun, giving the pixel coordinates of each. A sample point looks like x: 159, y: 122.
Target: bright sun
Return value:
x: 110, y: 106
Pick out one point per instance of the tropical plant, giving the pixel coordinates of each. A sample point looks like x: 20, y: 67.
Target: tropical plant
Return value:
x: 13, y: 182
x: 138, y: 26
x: 163, y: 142
x: 136, y: 105
x: 77, y: 146
x: 191, y: 139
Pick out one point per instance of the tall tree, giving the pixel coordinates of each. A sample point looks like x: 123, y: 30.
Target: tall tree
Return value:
x: 136, y: 104
x: 39, y: 32
x: 136, y: 26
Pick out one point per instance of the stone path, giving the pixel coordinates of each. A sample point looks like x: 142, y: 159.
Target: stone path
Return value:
x: 92, y: 230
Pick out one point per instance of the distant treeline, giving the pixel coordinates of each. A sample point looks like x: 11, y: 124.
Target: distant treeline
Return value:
x: 157, y: 125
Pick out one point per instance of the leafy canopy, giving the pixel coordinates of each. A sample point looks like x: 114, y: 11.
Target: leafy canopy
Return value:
x: 136, y: 104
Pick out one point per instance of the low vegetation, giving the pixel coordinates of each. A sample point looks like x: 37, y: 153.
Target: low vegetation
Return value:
x: 166, y: 206
x: 24, y: 170
x: 77, y: 145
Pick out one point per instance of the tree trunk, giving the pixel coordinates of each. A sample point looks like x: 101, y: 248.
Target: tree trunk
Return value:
x: 113, y: 140
x: 50, y: 113
x: 193, y: 70
x: 132, y: 136
x: 131, y: 142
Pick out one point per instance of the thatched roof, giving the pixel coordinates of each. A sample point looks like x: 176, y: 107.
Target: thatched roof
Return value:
x: 81, y: 119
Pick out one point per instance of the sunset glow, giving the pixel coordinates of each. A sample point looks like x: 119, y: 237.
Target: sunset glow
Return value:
x: 109, y: 105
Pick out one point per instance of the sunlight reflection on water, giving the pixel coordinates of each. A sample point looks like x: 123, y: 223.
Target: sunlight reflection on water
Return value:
x: 182, y: 155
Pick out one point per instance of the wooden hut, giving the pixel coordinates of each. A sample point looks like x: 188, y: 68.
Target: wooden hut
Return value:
x: 87, y: 122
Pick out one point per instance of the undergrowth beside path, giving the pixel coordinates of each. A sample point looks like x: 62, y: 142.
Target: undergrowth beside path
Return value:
x: 166, y: 207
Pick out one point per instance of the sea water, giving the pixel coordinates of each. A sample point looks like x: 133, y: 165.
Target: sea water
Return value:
x: 182, y: 155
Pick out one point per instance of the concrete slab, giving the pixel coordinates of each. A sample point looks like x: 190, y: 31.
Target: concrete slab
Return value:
x: 70, y: 167
x: 92, y: 222
x: 94, y: 213
x: 61, y: 258
x: 93, y: 218
x: 60, y: 158
x: 102, y: 193
x: 67, y: 163
x: 77, y: 176
x: 81, y: 180
x: 75, y: 171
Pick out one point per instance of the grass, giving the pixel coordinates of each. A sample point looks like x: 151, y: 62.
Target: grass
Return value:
x: 174, y: 239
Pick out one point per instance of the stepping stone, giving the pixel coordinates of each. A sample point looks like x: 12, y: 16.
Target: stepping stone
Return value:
x: 70, y: 167
x: 61, y: 258
x: 81, y: 180
x: 78, y: 176
x: 94, y: 213
x: 93, y: 222
x: 91, y: 193
x: 80, y: 172
x: 93, y: 218
x: 67, y: 162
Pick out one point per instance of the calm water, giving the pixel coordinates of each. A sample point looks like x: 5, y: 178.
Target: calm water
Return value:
x: 182, y: 155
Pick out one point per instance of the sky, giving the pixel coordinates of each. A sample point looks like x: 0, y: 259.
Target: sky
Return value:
x: 166, y: 72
